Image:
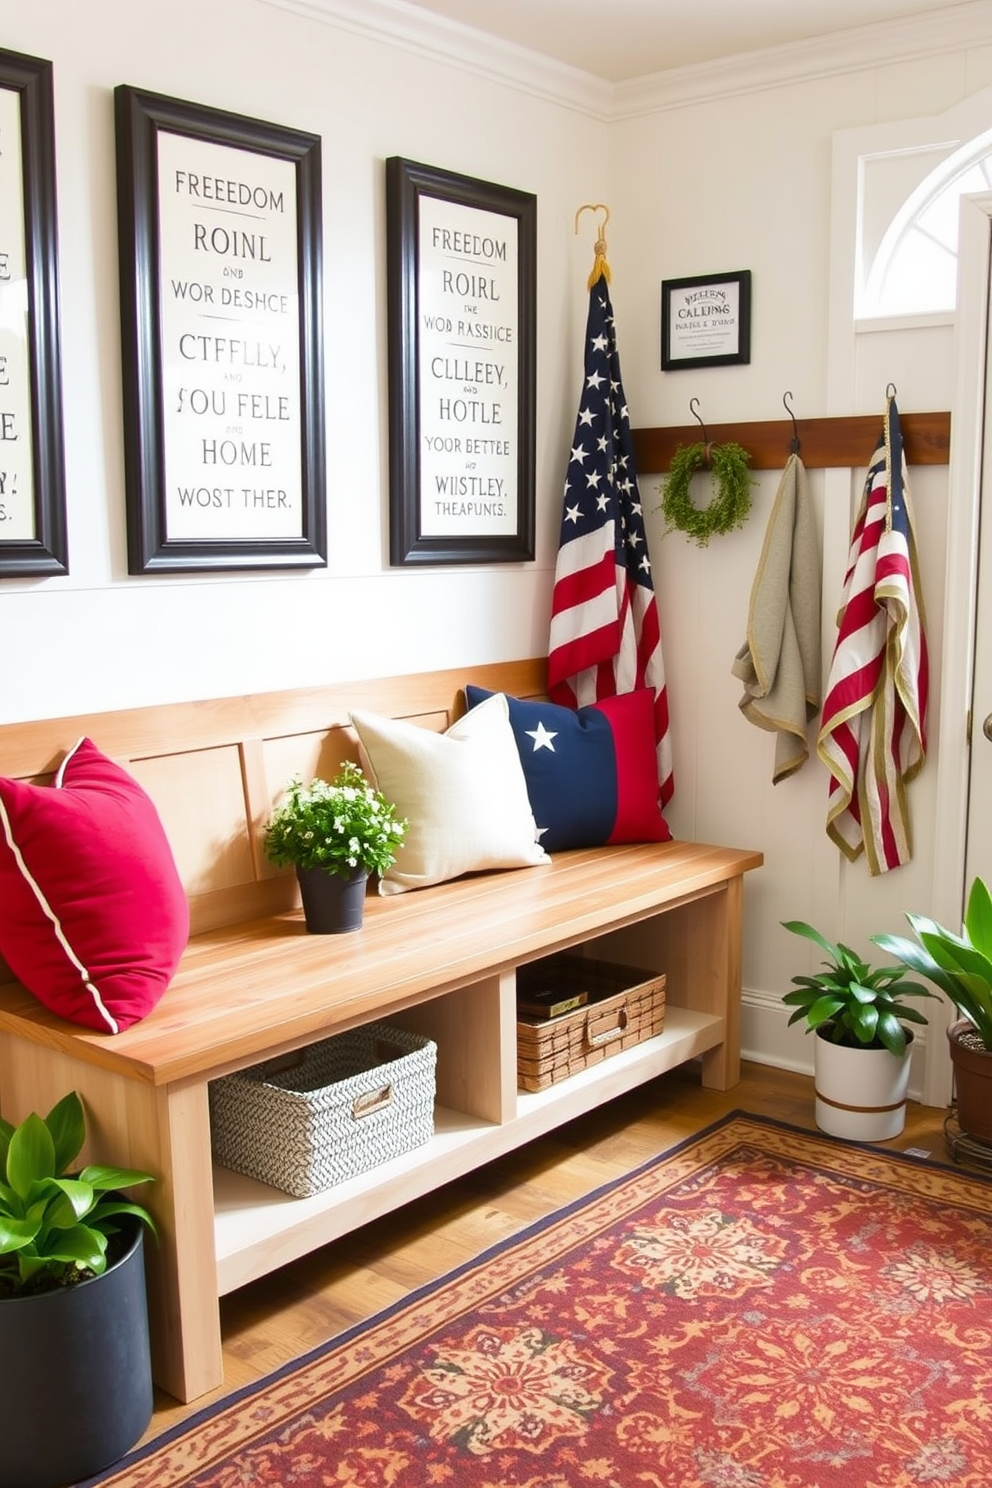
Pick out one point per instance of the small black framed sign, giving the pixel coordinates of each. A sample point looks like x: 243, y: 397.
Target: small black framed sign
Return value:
x: 33, y: 540
x: 461, y: 266
x: 220, y: 252
x: 706, y: 320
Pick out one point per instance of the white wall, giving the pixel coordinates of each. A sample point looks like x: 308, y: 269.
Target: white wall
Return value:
x: 747, y: 182
x: 741, y: 179
x: 99, y: 639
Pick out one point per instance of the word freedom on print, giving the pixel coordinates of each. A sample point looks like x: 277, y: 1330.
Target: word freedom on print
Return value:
x: 470, y: 245
x: 229, y: 193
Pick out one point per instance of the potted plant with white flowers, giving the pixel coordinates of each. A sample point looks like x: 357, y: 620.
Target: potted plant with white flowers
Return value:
x: 334, y: 833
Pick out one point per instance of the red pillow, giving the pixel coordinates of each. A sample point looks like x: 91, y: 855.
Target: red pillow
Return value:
x: 93, y: 916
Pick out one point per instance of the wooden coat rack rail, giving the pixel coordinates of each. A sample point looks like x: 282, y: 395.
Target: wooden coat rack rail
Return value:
x: 824, y: 443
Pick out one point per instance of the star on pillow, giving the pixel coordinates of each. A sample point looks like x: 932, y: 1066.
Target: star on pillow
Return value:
x: 542, y: 737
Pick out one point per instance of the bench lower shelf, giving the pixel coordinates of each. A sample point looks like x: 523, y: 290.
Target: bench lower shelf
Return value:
x: 259, y: 1228
x: 147, y: 1090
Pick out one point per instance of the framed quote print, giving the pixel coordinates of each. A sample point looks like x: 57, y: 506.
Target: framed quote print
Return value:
x: 220, y: 253
x: 706, y: 320
x: 461, y: 257
x: 32, y: 468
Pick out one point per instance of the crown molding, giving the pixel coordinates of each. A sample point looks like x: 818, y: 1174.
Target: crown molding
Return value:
x: 855, y: 50
x: 413, y: 29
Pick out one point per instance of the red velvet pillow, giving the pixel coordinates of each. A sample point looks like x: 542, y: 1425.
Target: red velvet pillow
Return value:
x: 93, y: 916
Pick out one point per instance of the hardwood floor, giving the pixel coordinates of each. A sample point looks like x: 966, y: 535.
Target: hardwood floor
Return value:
x: 274, y: 1320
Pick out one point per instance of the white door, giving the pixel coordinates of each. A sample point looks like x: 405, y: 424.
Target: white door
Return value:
x: 978, y: 846
x: 963, y: 844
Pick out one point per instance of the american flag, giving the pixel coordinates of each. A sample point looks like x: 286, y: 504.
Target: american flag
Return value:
x: 605, y: 636
x: 873, y: 727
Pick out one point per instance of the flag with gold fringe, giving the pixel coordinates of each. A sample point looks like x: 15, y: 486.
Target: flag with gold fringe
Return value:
x: 873, y: 725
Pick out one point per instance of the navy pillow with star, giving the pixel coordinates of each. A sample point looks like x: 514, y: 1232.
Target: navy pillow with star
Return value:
x: 591, y: 773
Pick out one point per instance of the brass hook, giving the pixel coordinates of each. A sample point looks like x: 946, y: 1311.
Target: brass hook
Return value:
x: 795, y: 427
x: 595, y: 207
x: 600, y: 268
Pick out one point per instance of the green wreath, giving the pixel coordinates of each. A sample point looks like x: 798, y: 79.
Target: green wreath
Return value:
x: 730, y: 505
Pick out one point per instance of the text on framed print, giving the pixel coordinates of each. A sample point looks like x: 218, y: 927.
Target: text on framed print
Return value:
x: 32, y: 473
x: 461, y: 264
x: 220, y: 257
x: 706, y: 320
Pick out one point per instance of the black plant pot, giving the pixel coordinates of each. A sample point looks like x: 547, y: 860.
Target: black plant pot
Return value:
x: 76, y: 1391
x: 332, y: 903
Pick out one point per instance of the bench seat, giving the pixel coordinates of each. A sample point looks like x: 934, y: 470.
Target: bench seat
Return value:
x: 439, y: 961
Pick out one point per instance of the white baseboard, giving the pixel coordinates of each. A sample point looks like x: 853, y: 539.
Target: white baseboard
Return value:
x: 766, y: 1038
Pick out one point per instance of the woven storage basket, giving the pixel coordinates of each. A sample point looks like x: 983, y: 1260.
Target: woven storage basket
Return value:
x: 333, y: 1111
x: 624, y: 1007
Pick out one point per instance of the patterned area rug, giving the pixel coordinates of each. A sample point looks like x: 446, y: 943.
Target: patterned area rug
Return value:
x: 761, y: 1308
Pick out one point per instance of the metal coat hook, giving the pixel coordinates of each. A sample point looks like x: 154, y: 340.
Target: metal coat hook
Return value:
x: 707, y: 447
x: 595, y: 207
x: 794, y: 446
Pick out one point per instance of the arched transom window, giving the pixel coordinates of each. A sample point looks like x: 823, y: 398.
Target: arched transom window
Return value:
x: 914, y: 270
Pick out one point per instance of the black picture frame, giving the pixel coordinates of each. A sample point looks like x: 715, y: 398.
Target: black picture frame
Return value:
x: 462, y: 295
x: 32, y: 457
x: 220, y: 242
x: 706, y: 321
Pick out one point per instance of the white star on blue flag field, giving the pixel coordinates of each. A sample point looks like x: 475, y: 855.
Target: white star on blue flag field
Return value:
x: 601, y: 479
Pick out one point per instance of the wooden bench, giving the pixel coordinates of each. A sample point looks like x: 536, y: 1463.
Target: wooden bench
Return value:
x: 254, y: 984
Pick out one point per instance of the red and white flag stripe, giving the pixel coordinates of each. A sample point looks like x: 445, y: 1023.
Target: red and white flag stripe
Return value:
x: 873, y: 726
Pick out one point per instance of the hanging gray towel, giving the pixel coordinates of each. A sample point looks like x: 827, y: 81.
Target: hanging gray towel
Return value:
x: 780, y: 662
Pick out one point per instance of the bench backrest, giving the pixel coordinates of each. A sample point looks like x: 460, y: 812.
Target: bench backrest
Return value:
x: 216, y: 768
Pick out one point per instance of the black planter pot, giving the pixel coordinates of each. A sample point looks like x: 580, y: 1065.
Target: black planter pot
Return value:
x: 332, y: 903
x: 76, y: 1392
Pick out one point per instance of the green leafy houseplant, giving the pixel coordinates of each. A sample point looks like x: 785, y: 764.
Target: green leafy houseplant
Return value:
x: 55, y: 1228
x: 960, y: 965
x: 855, y: 1004
x: 339, y: 825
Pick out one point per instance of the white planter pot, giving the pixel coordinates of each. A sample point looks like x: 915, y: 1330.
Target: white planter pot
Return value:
x: 860, y: 1093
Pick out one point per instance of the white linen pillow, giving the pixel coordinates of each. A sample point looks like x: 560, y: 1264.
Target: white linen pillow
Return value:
x: 462, y: 792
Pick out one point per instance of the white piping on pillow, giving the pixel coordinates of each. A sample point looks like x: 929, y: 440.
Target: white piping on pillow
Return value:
x: 47, y: 909
x: 60, y: 773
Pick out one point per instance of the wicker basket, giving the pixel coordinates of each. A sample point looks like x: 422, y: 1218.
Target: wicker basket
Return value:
x: 330, y: 1112
x: 624, y: 1006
